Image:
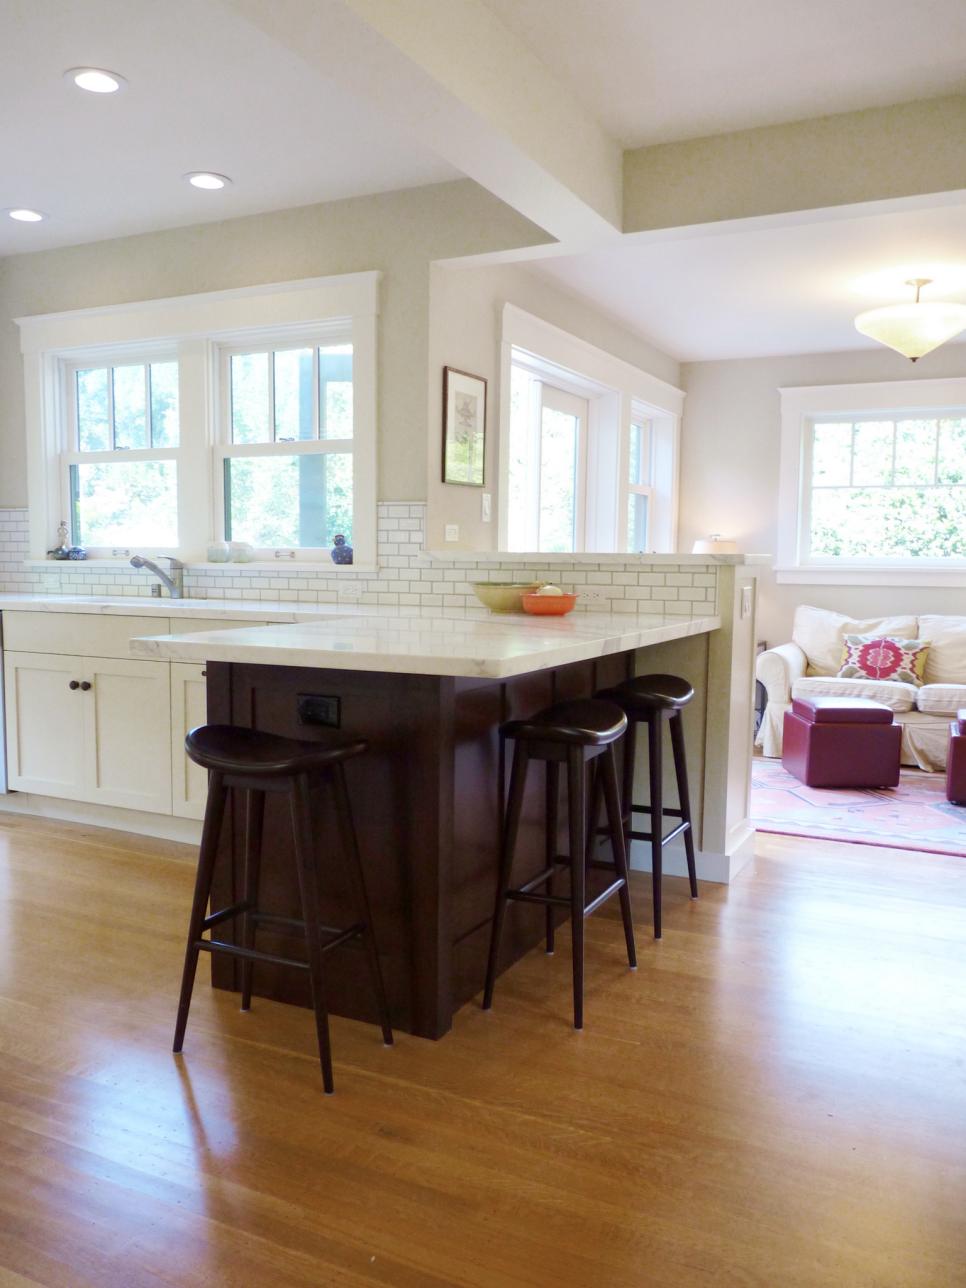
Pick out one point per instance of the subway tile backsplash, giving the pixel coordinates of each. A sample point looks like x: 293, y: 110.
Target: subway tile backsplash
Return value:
x: 406, y: 576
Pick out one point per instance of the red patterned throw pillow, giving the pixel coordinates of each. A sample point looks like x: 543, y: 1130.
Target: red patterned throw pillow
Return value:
x: 875, y: 657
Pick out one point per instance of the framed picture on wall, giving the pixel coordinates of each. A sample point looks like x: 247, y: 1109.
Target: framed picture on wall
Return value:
x: 464, y: 427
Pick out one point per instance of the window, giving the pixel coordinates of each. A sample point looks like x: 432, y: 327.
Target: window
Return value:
x: 288, y: 446
x: 245, y: 414
x: 874, y: 482
x: 588, y: 446
x: 121, y: 464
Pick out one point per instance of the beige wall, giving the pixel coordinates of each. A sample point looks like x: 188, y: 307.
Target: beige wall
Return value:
x: 465, y: 324
x: 729, y: 469
x: 398, y: 233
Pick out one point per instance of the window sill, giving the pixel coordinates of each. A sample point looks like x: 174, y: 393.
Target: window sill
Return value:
x: 925, y: 575
x: 283, y: 566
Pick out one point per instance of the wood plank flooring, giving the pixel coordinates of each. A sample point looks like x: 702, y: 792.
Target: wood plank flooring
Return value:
x: 777, y: 1097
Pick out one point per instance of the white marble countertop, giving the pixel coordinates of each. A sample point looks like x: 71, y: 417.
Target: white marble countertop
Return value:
x: 148, y: 606
x: 458, y: 642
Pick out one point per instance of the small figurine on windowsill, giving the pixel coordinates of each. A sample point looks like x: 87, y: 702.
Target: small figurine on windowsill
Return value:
x: 341, y: 553
x: 63, y: 549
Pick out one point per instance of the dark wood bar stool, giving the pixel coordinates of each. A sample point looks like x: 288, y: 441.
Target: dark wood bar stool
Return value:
x: 652, y: 700
x: 257, y: 763
x: 572, y: 734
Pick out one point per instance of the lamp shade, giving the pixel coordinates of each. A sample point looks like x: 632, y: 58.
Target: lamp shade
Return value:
x: 913, y: 329
x: 714, y: 545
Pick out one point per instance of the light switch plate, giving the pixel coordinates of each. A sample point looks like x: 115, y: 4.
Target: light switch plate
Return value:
x: 746, y: 601
x: 452, y: 532
x: 486, y: 502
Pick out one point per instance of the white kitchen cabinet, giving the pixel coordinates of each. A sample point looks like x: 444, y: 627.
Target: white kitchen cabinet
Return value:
x: 45, y: 724
x: 106, y: 740
x: 189, y: 783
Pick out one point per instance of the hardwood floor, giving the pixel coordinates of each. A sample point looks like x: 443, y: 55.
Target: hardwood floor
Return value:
x: 775, y: 1098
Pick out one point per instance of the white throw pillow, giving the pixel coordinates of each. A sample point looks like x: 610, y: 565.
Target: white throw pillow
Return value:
x: 820, y: 634
x: 946, y: 660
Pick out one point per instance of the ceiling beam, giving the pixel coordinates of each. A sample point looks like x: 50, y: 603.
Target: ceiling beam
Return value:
x: 908, y: 150
x: 468, y: 90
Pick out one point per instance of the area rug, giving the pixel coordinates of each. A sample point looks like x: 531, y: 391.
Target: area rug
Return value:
x: 913, y: 816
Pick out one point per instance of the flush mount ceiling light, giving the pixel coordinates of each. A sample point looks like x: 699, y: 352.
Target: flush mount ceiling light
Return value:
x: 207, y: 179
x: 915, y: 328
x: 95, y: 80
x: 25, y: 216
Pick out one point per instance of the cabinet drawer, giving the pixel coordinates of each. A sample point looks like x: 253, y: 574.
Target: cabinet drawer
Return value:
x: 78, y: 634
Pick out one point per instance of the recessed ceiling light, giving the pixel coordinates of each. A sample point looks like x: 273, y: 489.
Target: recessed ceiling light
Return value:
x: 207, y: 179
x: 95, y: 80
x: 26, y: 216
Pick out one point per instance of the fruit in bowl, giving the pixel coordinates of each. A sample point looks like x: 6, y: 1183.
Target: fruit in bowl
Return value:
x: 548, y: 601
x: 503, y: 596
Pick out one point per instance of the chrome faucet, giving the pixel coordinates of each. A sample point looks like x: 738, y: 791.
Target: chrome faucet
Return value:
x: 174, y: 583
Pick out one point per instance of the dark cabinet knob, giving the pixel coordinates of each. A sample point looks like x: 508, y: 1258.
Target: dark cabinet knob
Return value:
x: 85, y: 685
x: 203, y: 674
x: 74, y: 684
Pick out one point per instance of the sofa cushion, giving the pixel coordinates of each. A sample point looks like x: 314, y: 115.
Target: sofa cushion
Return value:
x: 820, y: 634
x: 946, y: 663
x: 941, y: 699
x: 891, y: 693
x: 877, y: 657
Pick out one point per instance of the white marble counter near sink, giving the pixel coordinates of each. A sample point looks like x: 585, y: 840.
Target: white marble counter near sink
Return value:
x: 461, y: 642
x: 148, y: 606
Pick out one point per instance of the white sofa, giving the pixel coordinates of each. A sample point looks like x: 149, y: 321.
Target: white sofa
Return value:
x: 808, y: 665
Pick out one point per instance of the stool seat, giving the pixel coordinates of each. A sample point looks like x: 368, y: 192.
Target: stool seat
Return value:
x: 645, y: 693
x: 232, y: 750
x: 584, y: 722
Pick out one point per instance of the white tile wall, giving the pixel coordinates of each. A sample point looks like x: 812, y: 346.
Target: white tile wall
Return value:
x: 406, y: 576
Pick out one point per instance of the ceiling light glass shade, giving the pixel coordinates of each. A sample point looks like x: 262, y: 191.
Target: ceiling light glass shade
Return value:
x: 26, y: 216
x: 207, y: 179
x: 913, y: 329
x: 96, y: 80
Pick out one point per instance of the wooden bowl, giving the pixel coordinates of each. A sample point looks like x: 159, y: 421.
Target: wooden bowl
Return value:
x: 503, y: 596
x: 548, y: 605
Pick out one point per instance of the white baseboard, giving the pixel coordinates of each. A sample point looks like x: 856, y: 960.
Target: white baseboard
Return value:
x: 721, y: 867
x: 163, y: 826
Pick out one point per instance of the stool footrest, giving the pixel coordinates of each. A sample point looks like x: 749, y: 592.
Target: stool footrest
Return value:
x: 646, y: 809
x: 250, y: 954
x: 648, y: 836
x: 233, y: 910
x: 561, y: 901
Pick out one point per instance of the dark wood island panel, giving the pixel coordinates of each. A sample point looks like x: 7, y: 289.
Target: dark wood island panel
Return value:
x: 426, y: 799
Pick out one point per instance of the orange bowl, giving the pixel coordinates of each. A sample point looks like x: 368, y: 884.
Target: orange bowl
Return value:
x: 548, y: 605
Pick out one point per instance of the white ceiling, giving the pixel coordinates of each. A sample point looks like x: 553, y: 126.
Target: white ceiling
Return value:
x: 652, y: 72
x: 206, y: 92
x: 768, y: 292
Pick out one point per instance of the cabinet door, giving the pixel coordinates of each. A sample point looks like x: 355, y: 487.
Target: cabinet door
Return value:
x: 189, y: 699
x: 128, y: 734
x: 45, y: 724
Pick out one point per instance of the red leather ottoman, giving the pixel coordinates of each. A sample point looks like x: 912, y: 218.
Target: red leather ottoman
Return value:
x: 956, y: 761
x: 841, y: 742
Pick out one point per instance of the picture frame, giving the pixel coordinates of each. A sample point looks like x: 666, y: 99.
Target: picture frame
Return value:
x: 464, y: 428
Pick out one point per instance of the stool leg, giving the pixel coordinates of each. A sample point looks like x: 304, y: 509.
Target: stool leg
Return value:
x: 656, y: 779
x: 518, y: 775
x: 627, y: 783
x: 577, y: 802
x: 608, y: 774
x: 211, y: 830
x: 681, y: 772
x: 357, y: 881
x: 553, y: 798
x: 254, y: 827
x: 593, y: 813
x: 305, y: 863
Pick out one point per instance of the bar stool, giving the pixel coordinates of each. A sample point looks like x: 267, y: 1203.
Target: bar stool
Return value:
x: 650, y: 700
x: 257, y: 763
x: 572, y: 734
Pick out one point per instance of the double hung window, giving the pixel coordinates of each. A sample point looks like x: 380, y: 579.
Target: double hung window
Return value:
x: 640, y: 469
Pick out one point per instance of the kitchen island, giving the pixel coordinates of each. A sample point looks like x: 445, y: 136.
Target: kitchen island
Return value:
x: 428, y: 693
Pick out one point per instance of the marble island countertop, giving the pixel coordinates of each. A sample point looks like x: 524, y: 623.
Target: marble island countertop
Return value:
x: 458, y: 642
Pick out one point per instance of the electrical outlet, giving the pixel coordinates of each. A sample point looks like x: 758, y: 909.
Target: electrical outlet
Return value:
x: 594, y: 596
x: 486, y: 504
x: 350, y: 594
x: 746, y: 601
x: 452, y: 532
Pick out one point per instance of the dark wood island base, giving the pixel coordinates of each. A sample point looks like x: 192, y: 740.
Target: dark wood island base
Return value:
x: 426, y: 799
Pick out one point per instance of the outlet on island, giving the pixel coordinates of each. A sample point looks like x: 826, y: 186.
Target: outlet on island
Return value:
x: 452, y: 532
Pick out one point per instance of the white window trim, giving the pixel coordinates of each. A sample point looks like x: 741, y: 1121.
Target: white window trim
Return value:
x: 639, y: 416
x: 635, y: 391
x: 800, y: 405
x: 195, y: 325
